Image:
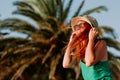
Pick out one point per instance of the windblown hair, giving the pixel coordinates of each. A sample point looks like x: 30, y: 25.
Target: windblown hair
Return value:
x: 79, y: 44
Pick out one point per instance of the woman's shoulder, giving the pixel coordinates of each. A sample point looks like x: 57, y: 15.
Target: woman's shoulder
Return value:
x: 101, y: 50
x: 100, y: 43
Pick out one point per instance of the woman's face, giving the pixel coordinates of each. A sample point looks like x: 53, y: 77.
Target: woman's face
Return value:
x: 82, y: 26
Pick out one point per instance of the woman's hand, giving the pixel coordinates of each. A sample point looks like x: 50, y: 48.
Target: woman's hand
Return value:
x: 72, y: 37
x: 75, y: 35
x: 93, y: 34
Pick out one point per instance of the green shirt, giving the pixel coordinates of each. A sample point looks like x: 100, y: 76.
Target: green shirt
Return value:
x: 99, y: 71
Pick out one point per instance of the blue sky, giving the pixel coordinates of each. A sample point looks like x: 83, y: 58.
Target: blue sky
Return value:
x: 109, y: 18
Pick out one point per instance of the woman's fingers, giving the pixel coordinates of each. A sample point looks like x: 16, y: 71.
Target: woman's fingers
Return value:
x: 95, y: 30
x: 93, y: 33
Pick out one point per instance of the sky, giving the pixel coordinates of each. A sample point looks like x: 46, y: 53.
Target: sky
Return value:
x: 108, y: 18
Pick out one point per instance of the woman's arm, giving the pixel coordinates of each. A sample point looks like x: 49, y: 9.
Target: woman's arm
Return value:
x: 95, y: 52
x: 99, y: 54
x: 89, y: 54
x: 68, y: 58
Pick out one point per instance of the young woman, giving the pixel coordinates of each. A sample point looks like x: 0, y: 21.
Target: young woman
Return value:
x: 85, y: 46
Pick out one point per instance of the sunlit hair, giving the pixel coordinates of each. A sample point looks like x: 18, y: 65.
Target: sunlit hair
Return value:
x: 77, y: 47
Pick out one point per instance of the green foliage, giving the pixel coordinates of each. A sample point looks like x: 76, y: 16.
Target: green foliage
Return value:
x: 39, y: 55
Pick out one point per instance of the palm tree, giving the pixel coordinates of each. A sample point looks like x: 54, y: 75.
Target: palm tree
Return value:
x: 38, y: 56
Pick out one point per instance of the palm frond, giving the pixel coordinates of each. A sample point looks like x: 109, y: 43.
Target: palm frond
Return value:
x: 97, y: 9
x: 112, y: 43
x: 107, y: 30
x: 30, y: 14
x: 59, y: 10
x: 17, y: 25
x: 79, y: 8
x: 67, y: 9
x: 43, y: 49
x: 26, y: 64
x: 23, y: 4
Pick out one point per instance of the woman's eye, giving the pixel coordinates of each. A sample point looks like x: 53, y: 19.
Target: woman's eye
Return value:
x: 79, y: 25
x: 76, y: 26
